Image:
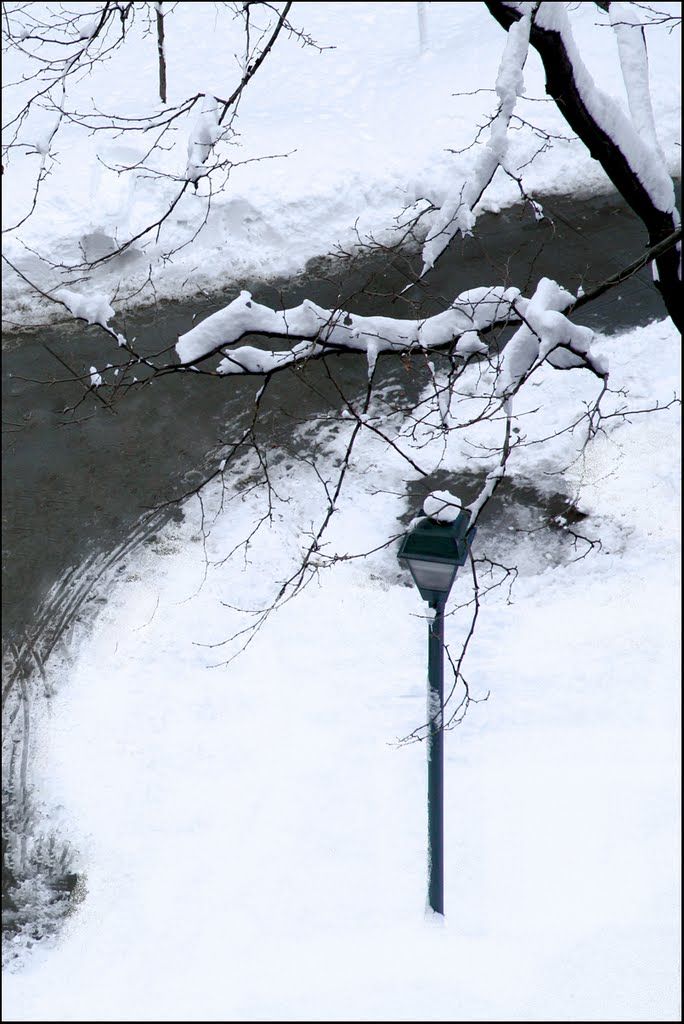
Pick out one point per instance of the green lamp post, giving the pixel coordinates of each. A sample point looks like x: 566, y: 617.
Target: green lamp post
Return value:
x: 433, y: 552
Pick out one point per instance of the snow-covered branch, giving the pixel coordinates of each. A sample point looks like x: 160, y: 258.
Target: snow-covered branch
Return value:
x: 631, y: 41
x: 321, y: 330
x: 626, y: 148
x: 546, y: 333
x: 457, y: 211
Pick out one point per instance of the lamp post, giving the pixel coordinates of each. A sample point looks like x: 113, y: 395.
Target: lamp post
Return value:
x: 433, y: 552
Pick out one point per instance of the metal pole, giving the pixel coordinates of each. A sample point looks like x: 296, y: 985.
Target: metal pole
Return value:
x: 436, y: 761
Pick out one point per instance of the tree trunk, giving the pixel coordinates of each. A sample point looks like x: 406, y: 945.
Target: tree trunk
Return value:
x: 563, y: 89
x: 162, y: 54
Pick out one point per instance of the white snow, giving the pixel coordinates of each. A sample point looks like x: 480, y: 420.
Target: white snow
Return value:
x: 88, y: 29
x: 92, y: 307
x: 492, y: 480
x: 348, y: 122
x: 646, y: 162
x: 252, y: 840
x: 624, y: 18
x: 442, y: 506
x: 546, y: 334
x: 475, y: 308
x: 470, y: 344
x: 456, y: 213
x: 253, y: 843
x: 205, y: 134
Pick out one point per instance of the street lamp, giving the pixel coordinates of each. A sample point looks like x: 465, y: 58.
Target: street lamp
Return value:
x: 433, y: 552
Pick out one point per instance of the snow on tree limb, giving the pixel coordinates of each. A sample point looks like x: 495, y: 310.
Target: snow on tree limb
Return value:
x: 644, y: 162
x: 205, y: 133
x: 94, y: 308
x: 635, y: 167
x: 631, y: 40
x: 456, y: 213
x: 546, y: 334
x: 319, y: 329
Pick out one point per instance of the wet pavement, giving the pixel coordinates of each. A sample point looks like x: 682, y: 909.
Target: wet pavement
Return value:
x: 78, y: 475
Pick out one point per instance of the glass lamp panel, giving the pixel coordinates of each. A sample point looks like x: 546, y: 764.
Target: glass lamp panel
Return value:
x: 437, y: 576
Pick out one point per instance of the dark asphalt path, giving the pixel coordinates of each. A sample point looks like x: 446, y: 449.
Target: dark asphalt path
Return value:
x: 77, y: 483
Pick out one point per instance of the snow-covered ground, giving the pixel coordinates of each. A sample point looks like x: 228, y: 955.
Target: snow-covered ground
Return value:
x: 250, y: 835
x: 367, y: 127
x: 251, y: 838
